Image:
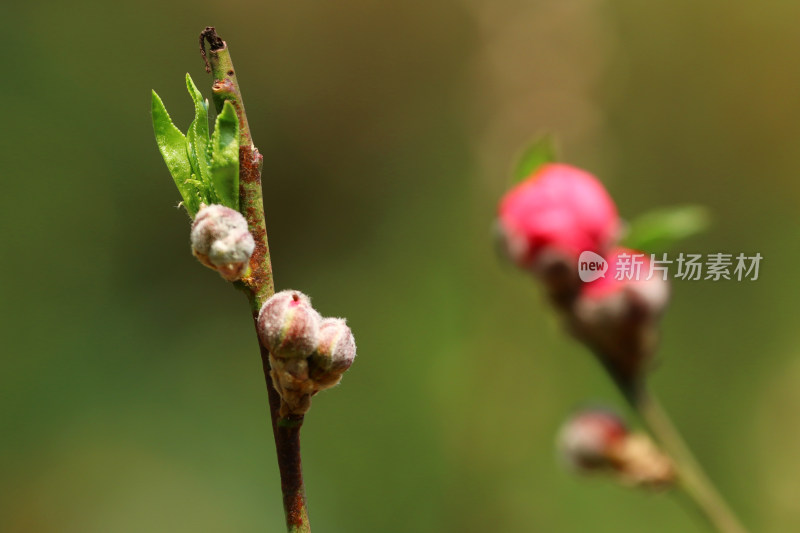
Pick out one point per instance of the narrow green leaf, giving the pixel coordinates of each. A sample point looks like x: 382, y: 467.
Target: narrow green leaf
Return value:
x: 541, y: 151
x: 659, y: 230
x: 197, y: 142
x: 225, y: 156
x: 172, y: 145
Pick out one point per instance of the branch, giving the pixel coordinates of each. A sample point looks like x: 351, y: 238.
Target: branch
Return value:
x: 259, y: 284
x: 627, y: 375
x: 693, y: 480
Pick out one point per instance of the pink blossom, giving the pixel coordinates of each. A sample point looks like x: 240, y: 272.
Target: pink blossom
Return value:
x: 560, y: 208
x: 618, y: 318
x: 629, y: 272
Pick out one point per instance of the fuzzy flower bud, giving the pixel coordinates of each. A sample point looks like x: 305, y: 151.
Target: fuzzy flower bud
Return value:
x: 629, y: 273
x: 588, y: 439
x: 599, y: 441
x: 288, y: 325
x: 308, y: 354
x: 221, y: 240
x: 559, y: 208
x: 336, y: 350
x: 618, y: 318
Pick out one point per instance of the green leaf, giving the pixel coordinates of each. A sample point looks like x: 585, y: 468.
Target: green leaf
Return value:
x: 659, y: 230
x: 225, y: 156
x: 172, y: 145
x: 540, y: 152
x: 197, y: 142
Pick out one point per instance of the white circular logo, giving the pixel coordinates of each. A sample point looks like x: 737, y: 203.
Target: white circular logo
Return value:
x: 591, y: 266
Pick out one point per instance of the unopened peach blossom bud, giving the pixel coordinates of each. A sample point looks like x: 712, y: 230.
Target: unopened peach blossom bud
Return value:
x: 588, y: 439
x: 617, y: 316
x: 336, y: 350
x: 629, y: 272
x: 597, y: 440
x: 221, y: 241
x: 288, y: 325
x: 560, y: 208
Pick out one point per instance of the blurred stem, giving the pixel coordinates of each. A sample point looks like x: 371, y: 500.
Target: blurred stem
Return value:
x: 259, y: 285
x: 692, y: 479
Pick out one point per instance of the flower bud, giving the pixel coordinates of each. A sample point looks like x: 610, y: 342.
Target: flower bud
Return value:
x: 588, y: 439
x: 336, y: 350
x: 629, y: 273
x: 618, y: 318
x: 221, y: 241
x: 288, y: 325
x: 598, y: 441
x: 559, y: 207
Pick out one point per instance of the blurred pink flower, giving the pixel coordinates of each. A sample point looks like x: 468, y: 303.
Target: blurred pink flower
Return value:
x: 559, y: 208
x: 587, y: 440
x: 617, y: 316
x: 629, y: 272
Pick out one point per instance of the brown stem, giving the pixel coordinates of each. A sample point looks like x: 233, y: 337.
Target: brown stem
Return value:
x: 259, y: 284
x: 292, y: 473
x: 287, y: 443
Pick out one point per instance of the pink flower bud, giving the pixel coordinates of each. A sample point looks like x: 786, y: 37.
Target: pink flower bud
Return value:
x: 560, y: 208
x: 629, y: 273
x: 336, y: 350
x: 288, y: 325
x: 588, y: 440
x: 618, y: 318
x: 598, y: 441
x: 221, y: 240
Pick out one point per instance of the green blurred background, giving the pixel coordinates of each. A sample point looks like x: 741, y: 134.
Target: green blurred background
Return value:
x: 131, y: 392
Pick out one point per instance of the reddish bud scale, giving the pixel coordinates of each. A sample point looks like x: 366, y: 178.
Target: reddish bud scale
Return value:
x: 291, y: 380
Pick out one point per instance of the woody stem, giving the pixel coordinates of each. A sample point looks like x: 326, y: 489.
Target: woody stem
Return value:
x: 693, y: 480
x: 259, y: 285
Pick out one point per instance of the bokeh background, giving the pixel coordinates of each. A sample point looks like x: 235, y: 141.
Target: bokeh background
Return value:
x: 131, y: 391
